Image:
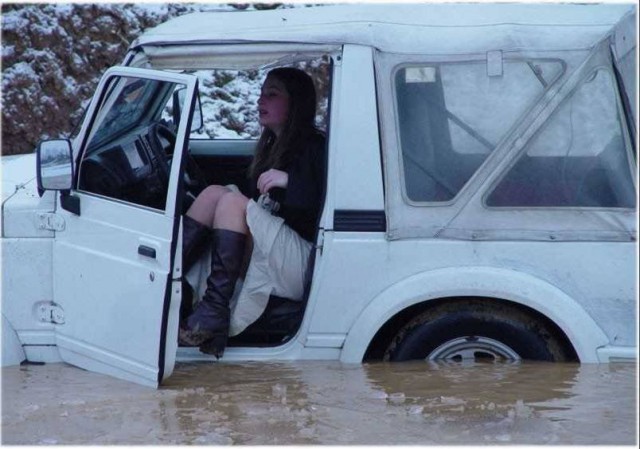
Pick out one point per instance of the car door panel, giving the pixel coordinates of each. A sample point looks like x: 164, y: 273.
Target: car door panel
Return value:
x: 114, y: 276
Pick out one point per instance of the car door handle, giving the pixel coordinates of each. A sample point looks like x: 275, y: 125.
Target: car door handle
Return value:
x: 147, y: 251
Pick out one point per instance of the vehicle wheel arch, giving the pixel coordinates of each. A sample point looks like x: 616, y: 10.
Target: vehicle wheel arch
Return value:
x: 401, y: 302
x: 538, y: 331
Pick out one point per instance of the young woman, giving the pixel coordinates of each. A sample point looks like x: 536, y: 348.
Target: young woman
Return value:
x: 279, y: 220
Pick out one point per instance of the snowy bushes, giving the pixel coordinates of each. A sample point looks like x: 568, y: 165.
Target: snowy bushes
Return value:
x: 52, y: 58
x: 54, y: 54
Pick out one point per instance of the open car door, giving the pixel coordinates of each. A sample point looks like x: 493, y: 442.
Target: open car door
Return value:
x: 116, y: 288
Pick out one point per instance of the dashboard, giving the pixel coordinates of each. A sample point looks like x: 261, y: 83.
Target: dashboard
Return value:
x: 134, y: 168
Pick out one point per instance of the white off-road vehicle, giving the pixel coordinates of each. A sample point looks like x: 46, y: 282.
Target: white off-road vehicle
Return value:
x: 480, y: 194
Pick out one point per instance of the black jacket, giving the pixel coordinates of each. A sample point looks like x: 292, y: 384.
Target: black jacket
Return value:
x: 301, y: 201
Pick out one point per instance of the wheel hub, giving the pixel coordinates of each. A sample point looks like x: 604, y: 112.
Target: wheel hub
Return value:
x: 473, y: 348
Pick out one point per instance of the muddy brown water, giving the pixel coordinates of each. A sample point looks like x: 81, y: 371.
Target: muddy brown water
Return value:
x: 326, y: 403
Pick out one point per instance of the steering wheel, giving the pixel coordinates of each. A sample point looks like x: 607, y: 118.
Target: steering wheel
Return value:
x: 194, y: 179
x: 165, y: 137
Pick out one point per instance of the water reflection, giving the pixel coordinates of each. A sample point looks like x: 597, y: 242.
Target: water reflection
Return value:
x: 326, y: 403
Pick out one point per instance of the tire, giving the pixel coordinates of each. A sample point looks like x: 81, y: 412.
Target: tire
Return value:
x: 479, y: 330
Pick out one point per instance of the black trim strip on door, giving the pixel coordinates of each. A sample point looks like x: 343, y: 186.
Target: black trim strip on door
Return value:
x: 177, y: 214
x: 345, y: 220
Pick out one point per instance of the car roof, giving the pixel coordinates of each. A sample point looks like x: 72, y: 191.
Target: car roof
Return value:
x: 432, y: 28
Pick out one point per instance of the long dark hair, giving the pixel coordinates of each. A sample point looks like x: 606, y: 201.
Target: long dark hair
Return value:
x: 278, y: 152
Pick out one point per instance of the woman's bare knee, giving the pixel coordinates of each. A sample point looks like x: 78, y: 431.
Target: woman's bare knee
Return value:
x: 231, y: 213
x: 204, y: 207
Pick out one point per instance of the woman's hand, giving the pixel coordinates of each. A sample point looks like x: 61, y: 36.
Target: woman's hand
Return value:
x: 272, y: 178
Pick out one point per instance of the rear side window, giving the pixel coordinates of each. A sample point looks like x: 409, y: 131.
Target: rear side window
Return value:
x: 578, y: 159
x: 451, y: 116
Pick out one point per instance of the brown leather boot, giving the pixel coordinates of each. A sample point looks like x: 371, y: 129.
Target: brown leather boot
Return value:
x: 209, y: 324
x: 195, y: 237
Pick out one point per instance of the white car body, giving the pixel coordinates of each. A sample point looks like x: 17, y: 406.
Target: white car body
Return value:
x: 74, y: 288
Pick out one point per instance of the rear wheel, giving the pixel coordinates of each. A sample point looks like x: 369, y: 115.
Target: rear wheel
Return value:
x: 478, y: 330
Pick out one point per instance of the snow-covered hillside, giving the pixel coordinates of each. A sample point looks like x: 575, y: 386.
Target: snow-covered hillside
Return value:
x: 53, y: 56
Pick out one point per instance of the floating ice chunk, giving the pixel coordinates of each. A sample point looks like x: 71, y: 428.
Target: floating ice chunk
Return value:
x: 73, y: 402
x: 213, y: 438
x: 379, y: 394
x: 397, y: 398
x: 446, y: 400
x: 307, y: 432
x: 522, y: 410
x: 279, y: 390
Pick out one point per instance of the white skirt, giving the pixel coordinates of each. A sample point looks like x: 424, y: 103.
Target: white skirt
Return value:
x: 278, y: 266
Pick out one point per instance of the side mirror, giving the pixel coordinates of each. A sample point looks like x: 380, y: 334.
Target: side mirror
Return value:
x: 55, y: 165
x: 178, y: 101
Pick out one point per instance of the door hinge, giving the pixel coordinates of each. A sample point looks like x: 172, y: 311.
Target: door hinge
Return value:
x: 50, y: 312
x: 50, y: 222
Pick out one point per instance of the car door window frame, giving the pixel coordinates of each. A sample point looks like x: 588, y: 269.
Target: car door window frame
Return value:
x: 104, y: 93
